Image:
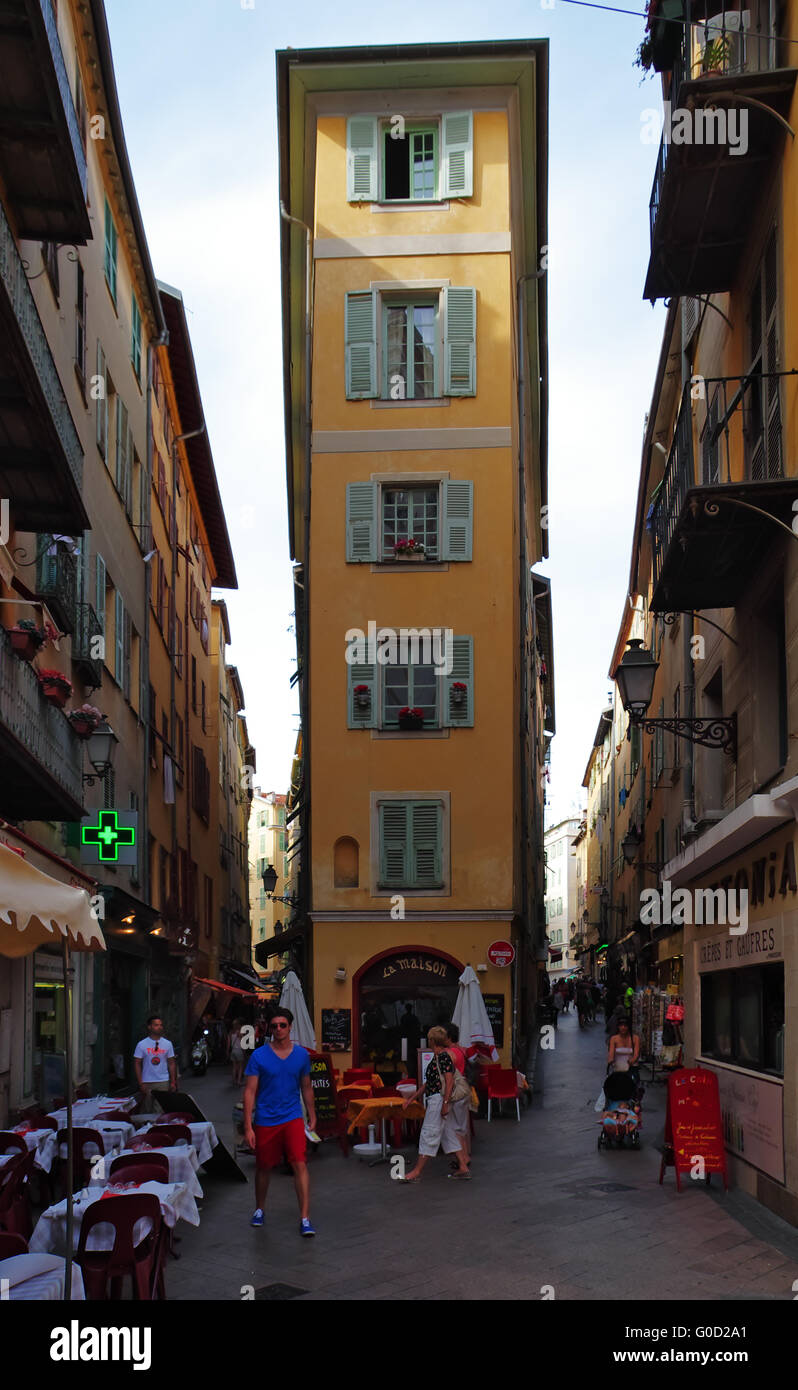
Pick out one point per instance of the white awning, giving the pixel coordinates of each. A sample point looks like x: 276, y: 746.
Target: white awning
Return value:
x: 36, y: 910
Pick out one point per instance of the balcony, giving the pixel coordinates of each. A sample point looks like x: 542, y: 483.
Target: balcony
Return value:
x: 57, y: 581
x: 732, y: 77
x: 41, y: 459
x: 42, y: 157
x: 40, y: 757
x: 85, y: 646
x: 712, y: 527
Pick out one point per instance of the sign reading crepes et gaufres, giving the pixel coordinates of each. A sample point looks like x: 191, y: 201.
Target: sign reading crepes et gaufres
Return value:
x: 760, y: 945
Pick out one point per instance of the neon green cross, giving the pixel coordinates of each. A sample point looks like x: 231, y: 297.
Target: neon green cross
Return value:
x: 108, y: 835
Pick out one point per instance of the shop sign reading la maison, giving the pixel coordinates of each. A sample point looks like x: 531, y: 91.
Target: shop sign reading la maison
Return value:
x: 403, y: 964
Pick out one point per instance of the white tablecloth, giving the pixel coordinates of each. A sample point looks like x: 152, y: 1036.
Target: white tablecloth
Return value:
x: 37, y: 1278
x: 177, y: 1204
x: 203, y: 1137
x: 112, y: 1135
x: 44, y: 1142
x: 84, y: 1111
x: 183, y: 1165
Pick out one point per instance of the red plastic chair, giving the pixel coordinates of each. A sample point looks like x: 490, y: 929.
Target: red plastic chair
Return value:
x: 81, y: 1163
x: 503, y: 1085
x: 161, y: 1136
x: 11, y: 1244
x: 11, y: 1143
x: 15, y: 1216
x: 141, y: 1167
x: 143, y: 1262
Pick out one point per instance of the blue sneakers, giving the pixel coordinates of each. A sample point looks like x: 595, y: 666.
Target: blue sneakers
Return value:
x: 305, y: 1228
x: 257, y: 1217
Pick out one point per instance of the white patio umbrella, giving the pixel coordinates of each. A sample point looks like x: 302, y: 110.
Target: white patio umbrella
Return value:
x: 292, y: 998
x: 37, y: 910
x: 471, y: 1016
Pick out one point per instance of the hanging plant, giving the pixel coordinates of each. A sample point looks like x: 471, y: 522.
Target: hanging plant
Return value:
x: 26, y: 639
x: 55, y: 686
x: 85, y: 720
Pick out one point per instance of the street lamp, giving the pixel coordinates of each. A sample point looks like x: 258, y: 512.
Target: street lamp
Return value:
x: 635, y: 680
x: 630, y: 846
x: 269, y: 879
x: 101, y: 745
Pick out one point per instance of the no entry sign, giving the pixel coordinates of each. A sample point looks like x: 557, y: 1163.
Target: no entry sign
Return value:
x: 501, y: 953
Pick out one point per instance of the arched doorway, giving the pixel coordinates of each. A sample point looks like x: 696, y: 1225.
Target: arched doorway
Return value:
x: 398, y: 995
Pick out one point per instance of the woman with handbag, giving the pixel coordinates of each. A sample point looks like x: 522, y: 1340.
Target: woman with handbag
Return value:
x: 440, y: 1080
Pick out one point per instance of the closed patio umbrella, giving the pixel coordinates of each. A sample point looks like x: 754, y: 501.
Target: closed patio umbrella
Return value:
x: 471, y: 1016
x: 37, y: 910
x: 302, y: 1030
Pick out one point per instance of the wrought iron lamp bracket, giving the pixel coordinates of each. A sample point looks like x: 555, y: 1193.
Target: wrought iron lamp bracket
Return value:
x: 719, y: 732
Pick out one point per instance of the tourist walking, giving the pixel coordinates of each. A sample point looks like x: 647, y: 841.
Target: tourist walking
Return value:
x: 437, y: 1089
x: 458, y: 1117
x: 236, y: 1052
x: 155, y: 1062
x: 277, y: 1080
x: 623, y: 1053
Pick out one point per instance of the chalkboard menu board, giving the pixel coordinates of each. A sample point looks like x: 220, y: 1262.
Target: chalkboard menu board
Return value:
x: 336, y: 1030
x: 494, y: 1005
x: 324, y: 1093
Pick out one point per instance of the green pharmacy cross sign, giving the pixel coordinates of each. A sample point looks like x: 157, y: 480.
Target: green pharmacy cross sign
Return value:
x: 111, y: 839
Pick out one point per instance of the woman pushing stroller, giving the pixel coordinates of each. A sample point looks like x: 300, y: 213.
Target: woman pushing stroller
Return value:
x: 620, y: 1118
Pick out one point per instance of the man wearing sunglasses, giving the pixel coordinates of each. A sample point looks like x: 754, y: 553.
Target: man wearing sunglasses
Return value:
x: 277, y: 1080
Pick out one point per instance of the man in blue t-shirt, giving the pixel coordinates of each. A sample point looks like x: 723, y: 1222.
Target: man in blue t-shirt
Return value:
x: 277, y: 1078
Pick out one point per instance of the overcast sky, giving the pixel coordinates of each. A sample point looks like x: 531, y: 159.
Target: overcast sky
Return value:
x: 197, y: 91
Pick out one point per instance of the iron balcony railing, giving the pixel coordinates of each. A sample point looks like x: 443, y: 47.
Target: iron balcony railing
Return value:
x: 66, y: 94
x: 738, y: 422
x: 57, y: 581
x: 15, y: 284
x: 86, y: 645
x: 730, y: 43
x: 36, y: 724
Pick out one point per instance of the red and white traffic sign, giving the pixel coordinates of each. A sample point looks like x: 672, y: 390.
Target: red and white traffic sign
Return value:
x: 501, y: 953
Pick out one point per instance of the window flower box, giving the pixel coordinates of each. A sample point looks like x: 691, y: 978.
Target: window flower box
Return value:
x: 411, y: 718
x: 85, y: 720
x: 408, y: 550
x: 26, y: 639
x: 362, y: 696
x: 55, y: 686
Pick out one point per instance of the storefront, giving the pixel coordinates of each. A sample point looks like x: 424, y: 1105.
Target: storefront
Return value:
x: 741, y: 959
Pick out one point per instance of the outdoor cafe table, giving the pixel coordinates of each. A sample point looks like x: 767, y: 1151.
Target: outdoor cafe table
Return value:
x: 203, y: 1137
x: 374, y: 1108
x: 84, y: 1111
x: 183, y: 1164
x: 38, y: 1278
x: 43, y: 1141
x: 49, y: 1236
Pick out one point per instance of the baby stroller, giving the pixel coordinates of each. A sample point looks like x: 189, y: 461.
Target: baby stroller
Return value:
x: 620, y: 1118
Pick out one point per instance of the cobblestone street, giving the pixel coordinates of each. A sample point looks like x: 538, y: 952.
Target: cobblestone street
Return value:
x: 545, y: 1208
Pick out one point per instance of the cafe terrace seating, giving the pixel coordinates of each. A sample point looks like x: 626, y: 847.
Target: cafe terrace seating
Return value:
x: 142, y: 1262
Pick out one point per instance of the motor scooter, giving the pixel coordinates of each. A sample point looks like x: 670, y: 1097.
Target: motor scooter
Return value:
x: 201, y: 1053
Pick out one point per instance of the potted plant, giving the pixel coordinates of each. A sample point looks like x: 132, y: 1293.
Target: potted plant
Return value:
x: 459, y: 693
x: 715, y: 57
x: 26, y: 638
x: 408, y: 550
x: 644, y: 57
x: 411, y: 717
x: 85, y: 720
x: 362, y: 696
x: 55, y: 686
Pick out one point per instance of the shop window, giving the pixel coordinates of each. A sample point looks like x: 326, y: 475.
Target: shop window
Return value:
x: 742, y: 1017
x: 345, y: 863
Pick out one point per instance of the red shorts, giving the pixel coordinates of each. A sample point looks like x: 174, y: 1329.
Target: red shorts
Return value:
x: 272, y: 1142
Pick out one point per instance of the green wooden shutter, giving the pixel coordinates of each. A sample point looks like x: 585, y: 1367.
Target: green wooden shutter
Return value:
x: 458, y: 525
x: 361, y: 521
x: 119, y: 638
x: 361, y: 345
x: 457, y: 155
x: 394, y: 844
x: 102, y: 402
x: 121, y: 444
x: 361, y: 717
x: 361, y: 159
x: 459, y: 341
x: 425, y: 845
x: 126, y: 653
x: 100, y: 591
x: 456, y: 714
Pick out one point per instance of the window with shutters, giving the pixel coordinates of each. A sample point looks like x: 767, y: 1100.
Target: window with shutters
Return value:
x: 410, y: 347
x: 409, y: 686
x: 436, y: 515
x: 411, y: 845
x: 377, y: 693
x: 100, y: 394
x: 417, y: 161
x: 200, y: 784
x: 764, y: 452
x: 110, y: 255
x: 80, y: 323
x: 135, y: 337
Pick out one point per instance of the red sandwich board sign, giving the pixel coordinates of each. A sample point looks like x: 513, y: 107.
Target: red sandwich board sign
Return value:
x: 693, y: 1126
x: 501, y: 953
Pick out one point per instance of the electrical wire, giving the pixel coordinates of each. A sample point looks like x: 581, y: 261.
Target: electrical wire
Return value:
x: 662, y: 19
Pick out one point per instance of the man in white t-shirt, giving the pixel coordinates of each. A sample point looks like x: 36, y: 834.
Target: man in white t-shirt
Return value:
x: 154, y: 1059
